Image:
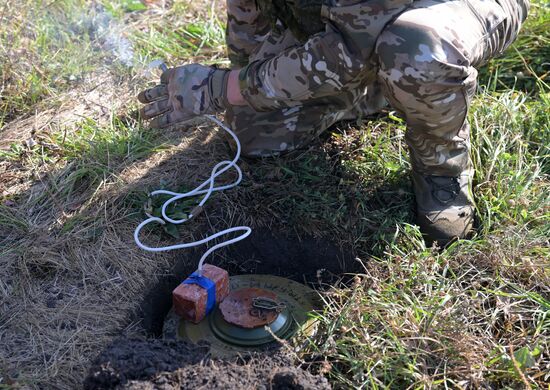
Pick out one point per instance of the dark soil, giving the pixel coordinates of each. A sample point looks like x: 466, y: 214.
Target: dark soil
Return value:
x: 162, y: 364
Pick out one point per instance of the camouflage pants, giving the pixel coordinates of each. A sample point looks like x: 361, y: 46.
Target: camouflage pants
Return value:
x: 424, y: 65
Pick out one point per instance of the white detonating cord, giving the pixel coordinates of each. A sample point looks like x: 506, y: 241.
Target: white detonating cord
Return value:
x: 216, y: 171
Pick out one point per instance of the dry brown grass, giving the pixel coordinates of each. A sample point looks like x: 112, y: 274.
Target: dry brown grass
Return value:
x: 70, y: 273
x: 67, y: 291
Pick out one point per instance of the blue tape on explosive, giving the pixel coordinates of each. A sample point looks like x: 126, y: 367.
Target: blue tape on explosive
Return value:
x: 208, y: 285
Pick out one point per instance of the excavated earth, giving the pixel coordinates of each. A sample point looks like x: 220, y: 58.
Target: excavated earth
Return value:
x: 164, y: 364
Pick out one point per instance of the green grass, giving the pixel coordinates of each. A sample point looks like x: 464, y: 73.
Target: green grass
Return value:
x: 476, y: 314
x: 47, y: 50
x: 524, y: 65
x: 50, y: 47
x: 180, y: 40
x: 473, y: 315
x: 511, y: 138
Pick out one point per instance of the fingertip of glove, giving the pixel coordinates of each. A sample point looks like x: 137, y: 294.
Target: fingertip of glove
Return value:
x: 164, y: 122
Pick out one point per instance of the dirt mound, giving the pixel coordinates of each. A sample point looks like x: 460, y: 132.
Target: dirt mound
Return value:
x: 165, y: 364
x: 229, y: 376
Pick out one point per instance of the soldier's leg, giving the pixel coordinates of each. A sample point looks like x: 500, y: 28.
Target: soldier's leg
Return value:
x: 276, y: 132
x: 427, y: 60
x: 245, y: 32
x: 372, y: 103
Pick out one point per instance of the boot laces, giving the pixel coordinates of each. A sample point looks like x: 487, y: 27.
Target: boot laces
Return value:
x: 448, y: 185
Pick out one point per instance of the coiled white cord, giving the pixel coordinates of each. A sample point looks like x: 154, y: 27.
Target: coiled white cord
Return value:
x: 216, y: 171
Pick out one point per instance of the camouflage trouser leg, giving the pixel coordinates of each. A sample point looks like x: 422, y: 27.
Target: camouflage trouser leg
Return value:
x: 245, y: 32
x: 274, y: 132
x: 427, y: 59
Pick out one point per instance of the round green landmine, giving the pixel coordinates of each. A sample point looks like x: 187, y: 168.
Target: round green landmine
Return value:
x: 226, y: 339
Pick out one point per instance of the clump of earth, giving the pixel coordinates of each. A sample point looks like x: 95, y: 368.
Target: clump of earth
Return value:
x: 167, y: 364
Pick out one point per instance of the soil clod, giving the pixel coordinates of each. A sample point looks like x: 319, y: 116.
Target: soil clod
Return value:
x: 162, y: 364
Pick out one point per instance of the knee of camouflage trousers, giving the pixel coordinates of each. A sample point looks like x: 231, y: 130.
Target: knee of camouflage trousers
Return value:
x: 426, y: 66
x: 272, y: 133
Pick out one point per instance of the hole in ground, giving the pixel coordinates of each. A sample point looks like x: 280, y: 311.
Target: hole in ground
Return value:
x: 264, y: 252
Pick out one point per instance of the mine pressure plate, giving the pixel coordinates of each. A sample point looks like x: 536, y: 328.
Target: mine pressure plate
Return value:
x: 258, y: 310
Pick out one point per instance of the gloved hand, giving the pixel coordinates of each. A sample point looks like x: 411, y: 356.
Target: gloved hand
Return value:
x: 184, y: 93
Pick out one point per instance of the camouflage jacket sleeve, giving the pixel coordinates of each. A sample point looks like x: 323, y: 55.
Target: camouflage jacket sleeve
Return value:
x: 328, y: 63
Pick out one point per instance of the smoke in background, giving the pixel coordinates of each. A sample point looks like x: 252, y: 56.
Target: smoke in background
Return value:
x: 108, y: 34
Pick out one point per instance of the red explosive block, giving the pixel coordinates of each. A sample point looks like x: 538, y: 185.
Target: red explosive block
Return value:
x: 190, y: 300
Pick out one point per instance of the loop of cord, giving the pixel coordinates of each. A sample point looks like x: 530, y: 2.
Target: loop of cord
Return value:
x: 206, y: 188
